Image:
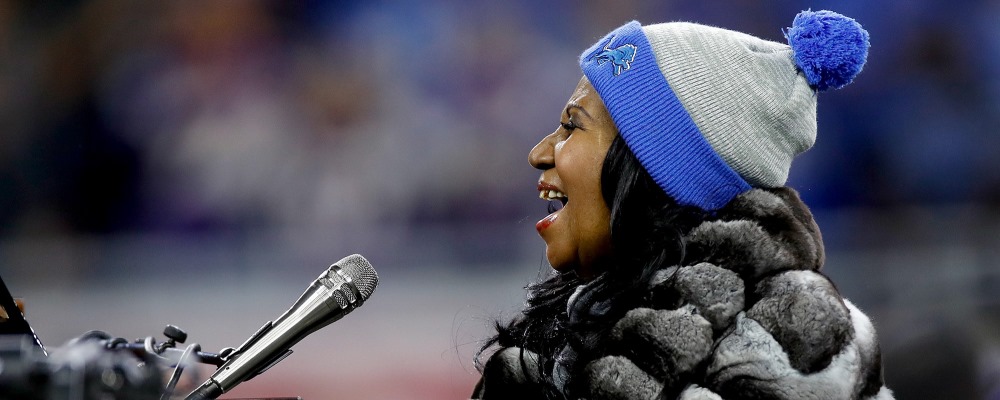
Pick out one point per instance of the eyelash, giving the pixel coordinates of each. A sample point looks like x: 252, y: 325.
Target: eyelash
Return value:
x: 569, y: 126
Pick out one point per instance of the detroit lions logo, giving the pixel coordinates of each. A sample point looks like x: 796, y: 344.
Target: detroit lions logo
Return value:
x: 621, y: 57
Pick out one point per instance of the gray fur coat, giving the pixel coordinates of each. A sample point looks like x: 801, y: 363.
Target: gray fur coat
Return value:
x: 756, y: 320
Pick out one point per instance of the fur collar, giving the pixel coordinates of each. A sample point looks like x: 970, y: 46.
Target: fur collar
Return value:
x: 760, y: 232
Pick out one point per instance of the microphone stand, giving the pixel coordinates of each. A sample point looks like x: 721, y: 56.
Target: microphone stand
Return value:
x: 167, y: 352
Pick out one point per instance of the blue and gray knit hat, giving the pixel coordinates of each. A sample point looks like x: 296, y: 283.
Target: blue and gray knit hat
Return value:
x: 711, y: 113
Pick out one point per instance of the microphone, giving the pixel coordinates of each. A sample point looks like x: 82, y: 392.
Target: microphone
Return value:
x: 338, y: 291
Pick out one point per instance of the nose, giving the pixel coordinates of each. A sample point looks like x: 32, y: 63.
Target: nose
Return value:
x: 542, y: 156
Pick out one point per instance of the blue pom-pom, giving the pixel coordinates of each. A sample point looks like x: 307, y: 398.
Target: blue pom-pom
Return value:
x: 830, y: 48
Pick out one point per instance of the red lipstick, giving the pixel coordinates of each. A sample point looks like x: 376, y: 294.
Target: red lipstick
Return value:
x: 547, y: 186
x: 545, y: 222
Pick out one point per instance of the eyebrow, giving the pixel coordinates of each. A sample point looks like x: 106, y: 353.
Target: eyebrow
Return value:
x: 577, y: 106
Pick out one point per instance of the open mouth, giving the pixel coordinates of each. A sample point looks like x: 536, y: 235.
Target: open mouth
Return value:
x: 556, y: 199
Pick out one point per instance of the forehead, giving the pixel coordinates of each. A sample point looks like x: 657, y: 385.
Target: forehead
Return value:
x: 586, y: 98
x: 584, y: 92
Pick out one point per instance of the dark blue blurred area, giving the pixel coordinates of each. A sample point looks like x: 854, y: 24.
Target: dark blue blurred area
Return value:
x: 174, y: 135
x: 106, y: 103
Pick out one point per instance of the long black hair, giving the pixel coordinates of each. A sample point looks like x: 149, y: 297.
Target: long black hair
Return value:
x: 647, y: 230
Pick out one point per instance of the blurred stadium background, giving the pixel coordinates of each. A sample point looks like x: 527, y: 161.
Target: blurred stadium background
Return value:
x: 199, y: 163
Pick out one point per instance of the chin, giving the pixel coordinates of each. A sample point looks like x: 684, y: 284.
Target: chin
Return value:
x: 561, y: 266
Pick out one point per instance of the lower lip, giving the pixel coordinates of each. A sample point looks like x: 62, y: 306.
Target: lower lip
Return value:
x: 545, y: 222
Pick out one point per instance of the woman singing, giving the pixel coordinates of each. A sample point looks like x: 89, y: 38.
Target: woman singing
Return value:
x: 685, y: 268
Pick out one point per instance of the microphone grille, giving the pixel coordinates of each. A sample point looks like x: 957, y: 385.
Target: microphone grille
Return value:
x: 361, y: 273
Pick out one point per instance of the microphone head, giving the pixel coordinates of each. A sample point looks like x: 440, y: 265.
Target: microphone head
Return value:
x: 361, y: 273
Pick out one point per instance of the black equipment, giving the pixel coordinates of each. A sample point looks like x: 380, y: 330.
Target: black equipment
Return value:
x: 97, y: 366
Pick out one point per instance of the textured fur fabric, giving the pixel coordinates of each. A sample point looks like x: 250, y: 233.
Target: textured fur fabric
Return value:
x: 511, y: 373
x: 755, y: 319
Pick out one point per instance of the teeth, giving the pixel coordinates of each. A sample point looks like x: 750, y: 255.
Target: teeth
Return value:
x: 551, y: 195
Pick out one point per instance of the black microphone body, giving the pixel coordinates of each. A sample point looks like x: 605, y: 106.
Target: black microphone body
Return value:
x: 337, y: 292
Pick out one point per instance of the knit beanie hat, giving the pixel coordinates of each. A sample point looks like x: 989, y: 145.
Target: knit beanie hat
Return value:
x: 711, y: 113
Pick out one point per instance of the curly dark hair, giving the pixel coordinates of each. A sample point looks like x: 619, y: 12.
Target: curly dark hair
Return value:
x: 647, y: 230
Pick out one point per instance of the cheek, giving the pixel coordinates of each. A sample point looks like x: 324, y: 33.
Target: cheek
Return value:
x: 581, y: 239
x: 562, y: 243
x: 595, y: 236
x: 588, y: 218
x: 580, y: 167
x: 583, y: 243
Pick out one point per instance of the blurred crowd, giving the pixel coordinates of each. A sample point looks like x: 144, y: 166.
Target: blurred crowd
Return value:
x: 206, y: 116
x: 202, y: 117
x: 122, y: 116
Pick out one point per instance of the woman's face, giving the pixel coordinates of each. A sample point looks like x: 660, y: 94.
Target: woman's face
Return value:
x: 577, y: 237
